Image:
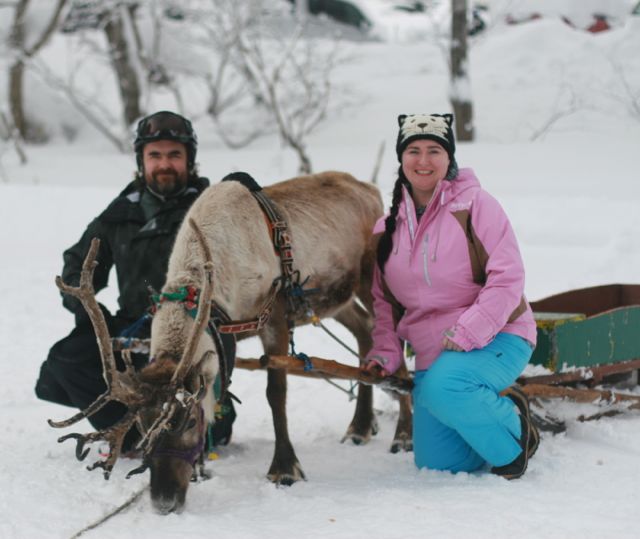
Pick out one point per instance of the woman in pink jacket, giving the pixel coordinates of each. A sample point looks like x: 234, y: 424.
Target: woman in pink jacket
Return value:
x: 449, y: 279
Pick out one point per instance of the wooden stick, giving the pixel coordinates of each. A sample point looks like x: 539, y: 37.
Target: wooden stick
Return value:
x: 132, y: 345
x: 591, y: 374
x: 607, y: 413
x: 580, y: 395
x: 321, y: 368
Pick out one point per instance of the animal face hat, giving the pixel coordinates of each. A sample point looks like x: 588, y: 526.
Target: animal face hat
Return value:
x: 426, y: 126
x: 436, y: 127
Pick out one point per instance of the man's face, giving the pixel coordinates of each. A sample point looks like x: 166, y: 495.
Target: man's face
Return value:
x: 165, y: 166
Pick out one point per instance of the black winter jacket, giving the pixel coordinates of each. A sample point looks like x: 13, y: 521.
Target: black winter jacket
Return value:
x: 138, y: 248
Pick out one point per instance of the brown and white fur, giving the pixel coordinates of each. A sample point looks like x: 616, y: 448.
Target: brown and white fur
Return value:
x: 330, y: 218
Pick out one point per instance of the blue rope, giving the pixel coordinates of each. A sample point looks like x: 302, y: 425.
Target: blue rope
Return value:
x: 308, y: 366
x: 130, y: 332
x: 298, y: 292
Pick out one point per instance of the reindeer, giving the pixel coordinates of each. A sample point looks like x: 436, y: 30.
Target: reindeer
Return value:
x: 224, y: 255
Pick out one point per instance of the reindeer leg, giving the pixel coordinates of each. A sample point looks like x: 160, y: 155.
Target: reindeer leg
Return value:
x: 403, y: 438
x: 364, y: 424
x: 285, y: 468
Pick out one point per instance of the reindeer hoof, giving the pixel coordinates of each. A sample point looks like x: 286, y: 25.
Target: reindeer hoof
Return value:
x: 357, y: 439
x: 361, y: 436
x: 286, y: 479
x: 402, y: 444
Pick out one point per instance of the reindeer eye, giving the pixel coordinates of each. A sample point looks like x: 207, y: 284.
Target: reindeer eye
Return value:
x: 191, y: 424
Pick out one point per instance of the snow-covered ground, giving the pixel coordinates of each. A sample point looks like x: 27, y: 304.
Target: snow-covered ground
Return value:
x: 572, y: 194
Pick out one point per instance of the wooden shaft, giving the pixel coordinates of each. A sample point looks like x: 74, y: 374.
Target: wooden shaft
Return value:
x: 585, y: 374
x: 321, y: 368
x: 579, y: 395
x: 328, y: 368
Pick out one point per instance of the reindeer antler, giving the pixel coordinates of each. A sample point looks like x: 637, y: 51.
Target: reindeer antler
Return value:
x: 204, y: 309
x: 125, y: 386
x: 87, y: 296
x: 122, y: 386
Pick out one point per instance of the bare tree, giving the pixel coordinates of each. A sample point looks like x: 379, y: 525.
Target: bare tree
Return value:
x: 9, y: 137
x: 230, y: 88
x: 86, y: 103
x: 291, y: 76
x: 460, y: 90
x: 126, y: 53
x: 626, y: 93
x: 24, y: 47
x: 264, y: 62
x: 120, y: 30
x: 295, y: 94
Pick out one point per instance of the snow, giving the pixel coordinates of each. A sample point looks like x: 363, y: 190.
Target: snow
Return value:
x: 572, y: 192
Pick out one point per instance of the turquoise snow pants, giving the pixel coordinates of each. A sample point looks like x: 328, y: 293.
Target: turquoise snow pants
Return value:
x: 459, y: 420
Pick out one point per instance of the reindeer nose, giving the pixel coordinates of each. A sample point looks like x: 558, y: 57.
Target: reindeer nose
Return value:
x: 164, y: 506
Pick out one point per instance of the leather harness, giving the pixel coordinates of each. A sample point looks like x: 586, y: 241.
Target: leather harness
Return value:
x: 288, y: 278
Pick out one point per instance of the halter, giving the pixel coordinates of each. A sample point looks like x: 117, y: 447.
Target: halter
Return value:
x: 189, y: 297
x: 189, y: 455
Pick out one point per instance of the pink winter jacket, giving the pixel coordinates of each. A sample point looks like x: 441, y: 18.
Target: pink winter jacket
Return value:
x: 458, y: 268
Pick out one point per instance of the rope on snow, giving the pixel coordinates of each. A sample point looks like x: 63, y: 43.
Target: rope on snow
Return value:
x: 132, y: 499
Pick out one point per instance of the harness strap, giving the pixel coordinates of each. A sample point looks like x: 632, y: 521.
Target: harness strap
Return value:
x: 290, y: 278
x: 282, y: 245
x: 279, y: 232
x: 223, y: 365
x: 242, y: 326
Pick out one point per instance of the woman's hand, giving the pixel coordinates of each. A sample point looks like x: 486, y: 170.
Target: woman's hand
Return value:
x: 375, y: 368
x: 448, y: 344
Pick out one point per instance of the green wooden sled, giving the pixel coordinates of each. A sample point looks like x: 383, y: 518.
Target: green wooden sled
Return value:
x: 587, y: 327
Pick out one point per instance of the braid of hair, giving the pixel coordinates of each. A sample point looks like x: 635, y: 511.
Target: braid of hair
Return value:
x: 386, y: 240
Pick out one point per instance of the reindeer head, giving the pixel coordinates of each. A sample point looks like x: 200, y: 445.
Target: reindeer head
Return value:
x: 174, y: 336
x: 177, y: 452
x: 163, y: 400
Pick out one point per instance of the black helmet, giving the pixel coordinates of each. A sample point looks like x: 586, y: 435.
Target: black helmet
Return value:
x: 166, y: 125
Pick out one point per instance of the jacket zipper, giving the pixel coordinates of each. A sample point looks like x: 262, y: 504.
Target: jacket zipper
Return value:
x: 425, y: 259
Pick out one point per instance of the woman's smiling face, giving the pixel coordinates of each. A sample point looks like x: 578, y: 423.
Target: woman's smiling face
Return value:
x: 424, y: 163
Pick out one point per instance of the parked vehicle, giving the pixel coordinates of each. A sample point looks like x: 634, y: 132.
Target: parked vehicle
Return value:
x: 384, y: 18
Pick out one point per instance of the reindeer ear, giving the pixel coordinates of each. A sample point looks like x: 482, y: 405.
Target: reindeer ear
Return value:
x: 401, y: 119
x: 448, y: 118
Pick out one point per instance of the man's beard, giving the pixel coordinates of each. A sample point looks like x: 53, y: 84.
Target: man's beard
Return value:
x: 170, y: 185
